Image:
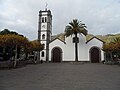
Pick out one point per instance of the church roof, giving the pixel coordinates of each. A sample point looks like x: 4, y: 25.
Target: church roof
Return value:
x: 96, y: 38
x: 61, y: 37
x: 58, y: 39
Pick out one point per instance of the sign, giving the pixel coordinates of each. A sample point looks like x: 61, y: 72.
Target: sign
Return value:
x: 75, y: 40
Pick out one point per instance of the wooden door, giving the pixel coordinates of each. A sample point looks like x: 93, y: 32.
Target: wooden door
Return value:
x: 57, y: 55
x: 95, y: 55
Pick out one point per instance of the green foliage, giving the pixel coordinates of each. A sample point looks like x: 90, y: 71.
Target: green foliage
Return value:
x: 113, y: 46
x: 35, y: 46
x: 115, y: 40
x: 112, y: 49
x: 6, y: 31
x: 75, y: 27
x: 12, y: 42
x: 108, y: 38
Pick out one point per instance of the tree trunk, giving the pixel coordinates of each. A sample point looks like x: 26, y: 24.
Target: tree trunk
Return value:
x: 15, y: 61
x: 76, y: 49
x: 38, y: 56
x: 111, y: 56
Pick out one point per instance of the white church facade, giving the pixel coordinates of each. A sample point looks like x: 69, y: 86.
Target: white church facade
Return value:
x: 63, y: 49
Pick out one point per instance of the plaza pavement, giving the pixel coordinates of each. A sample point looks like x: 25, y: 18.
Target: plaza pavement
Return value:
x: 61, y: 76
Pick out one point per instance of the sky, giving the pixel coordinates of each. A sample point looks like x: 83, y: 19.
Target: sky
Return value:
x: 100, y: 16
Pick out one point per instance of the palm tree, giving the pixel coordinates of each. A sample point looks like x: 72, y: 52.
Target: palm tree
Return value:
x: 75, y: 27
x: 115, y: 40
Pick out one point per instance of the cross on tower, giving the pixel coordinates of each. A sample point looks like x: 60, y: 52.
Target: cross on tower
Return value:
x: 46, y: 5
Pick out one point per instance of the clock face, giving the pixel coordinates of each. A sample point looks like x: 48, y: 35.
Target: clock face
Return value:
x: 43, y: 26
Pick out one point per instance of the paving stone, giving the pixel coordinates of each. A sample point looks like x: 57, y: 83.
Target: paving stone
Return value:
x: 61, y: 76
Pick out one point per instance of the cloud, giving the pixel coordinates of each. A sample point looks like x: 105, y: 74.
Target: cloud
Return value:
x: 100, y: 16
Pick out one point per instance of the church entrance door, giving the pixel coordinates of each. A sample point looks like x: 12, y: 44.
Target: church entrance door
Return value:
x: 95, y: 55
x: 56, y: 54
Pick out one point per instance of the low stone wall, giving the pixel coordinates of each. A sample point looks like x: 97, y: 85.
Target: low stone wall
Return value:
x: 6, y: 64
x: 10, y: 64
x: 21, y: 63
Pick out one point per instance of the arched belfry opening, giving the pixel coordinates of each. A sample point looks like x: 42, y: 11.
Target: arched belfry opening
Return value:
x: 43, y: 36
x: 95, y: 55
x: 56, y: 54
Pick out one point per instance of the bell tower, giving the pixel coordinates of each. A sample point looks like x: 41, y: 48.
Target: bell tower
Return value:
x: 45, y: 32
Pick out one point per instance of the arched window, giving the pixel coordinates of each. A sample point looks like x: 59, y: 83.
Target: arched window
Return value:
x: 42, y: 19
x: 45, y: 19
x: 42, y: 54
x: 43, y: 36
x: 44, y: 45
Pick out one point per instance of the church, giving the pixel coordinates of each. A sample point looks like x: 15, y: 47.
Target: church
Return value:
x: 62, y: 48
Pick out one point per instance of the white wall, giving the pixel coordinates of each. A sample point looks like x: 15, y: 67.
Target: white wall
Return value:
x: 43, y: 58
x: 68, y: 48
x: 96, y: 43
x: 55, y: 43
x: 82, y: 49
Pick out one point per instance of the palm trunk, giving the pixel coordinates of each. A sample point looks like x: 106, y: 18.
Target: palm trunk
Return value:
x: 76, y: 49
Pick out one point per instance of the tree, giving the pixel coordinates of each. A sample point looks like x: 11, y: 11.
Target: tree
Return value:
x: 6, y: 31
x: 112, y: 48
x: 35, y: 46
x: 13, y: 42
x: 75, y: 27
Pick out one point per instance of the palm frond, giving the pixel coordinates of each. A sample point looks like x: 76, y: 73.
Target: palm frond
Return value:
x: 115, y: 40
x: 74, y: 27
x: 68, y: 31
